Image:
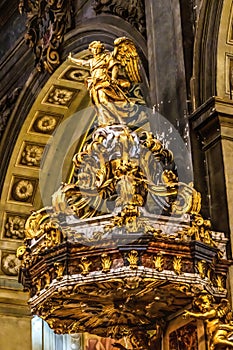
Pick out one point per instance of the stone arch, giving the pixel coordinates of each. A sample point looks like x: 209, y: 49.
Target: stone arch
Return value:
x: 225, y: 52
x: 203, y: 82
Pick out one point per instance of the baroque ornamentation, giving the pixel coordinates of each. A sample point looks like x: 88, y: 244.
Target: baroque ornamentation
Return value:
x: 98, y: 260
x: 79, y: 75
x: 10, y: 264
x: 110, y: 93
x: 23, y: 190
x: 14, y: 227
x: 133, y: 11
x: 200, y: 229
x: 47, y: 23
x: 45, y: 124
x: 201, y: 268
x: 158, y: 262
x: 133, y: 259
x: 31, y: 155
x: 177, y: 264
x: 217, y: 317
x: 106, y: 262
x: 85, y: 265
x: 7, y: 104
x: 60, y: 96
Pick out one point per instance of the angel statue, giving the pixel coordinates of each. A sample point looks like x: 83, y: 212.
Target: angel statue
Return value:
x: 218, y: 320
x: 111, y: 77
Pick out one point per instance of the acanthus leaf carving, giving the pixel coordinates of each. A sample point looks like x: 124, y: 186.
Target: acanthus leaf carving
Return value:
x: 47, y: 22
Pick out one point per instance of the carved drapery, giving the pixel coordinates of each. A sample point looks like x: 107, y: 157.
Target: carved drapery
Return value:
x: 47, y: 22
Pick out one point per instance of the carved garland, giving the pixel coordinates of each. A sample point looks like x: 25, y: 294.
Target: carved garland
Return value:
x: 47, y: 22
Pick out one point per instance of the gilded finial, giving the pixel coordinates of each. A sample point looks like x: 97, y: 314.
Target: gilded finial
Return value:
x: 133, y: 259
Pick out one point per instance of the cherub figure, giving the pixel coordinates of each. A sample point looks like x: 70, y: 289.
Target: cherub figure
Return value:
x: 111, y: 76
x: 218, y: 320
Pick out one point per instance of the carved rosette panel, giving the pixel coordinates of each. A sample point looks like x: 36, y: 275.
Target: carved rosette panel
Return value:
x: 47, y: 22
x: 23, y: 189
x: 14, y: 226
x: 61, y: 96
x: 133, y: 11
x: 45, y: 123
x: 31, y: 154
x: 184, y: 338
x: 10, y: 263
x: 77, y: 75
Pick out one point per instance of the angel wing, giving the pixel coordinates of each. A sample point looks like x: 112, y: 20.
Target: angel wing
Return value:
x: 125, y: 52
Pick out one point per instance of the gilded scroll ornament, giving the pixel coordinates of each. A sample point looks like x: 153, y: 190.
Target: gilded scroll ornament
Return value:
x: 38, y: 286
x: 59, y: 269
x: 47, y: 280
x: 47, y: 23
x: 200, y: 229
x: 85, y: 265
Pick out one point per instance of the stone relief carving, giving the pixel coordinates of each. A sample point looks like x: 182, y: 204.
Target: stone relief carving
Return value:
x: 14, y: 227
x: 23, y: 190
x: 10, y: 264
x: 133, y: 11
x: 45, y: 123
x: 7, y: 104
x: 31, y: 155
x: 61, y: 96
x: 47, y: 22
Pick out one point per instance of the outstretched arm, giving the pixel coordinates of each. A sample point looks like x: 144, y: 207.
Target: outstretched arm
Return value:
x: 203, y: 316
x: 78, y: 61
